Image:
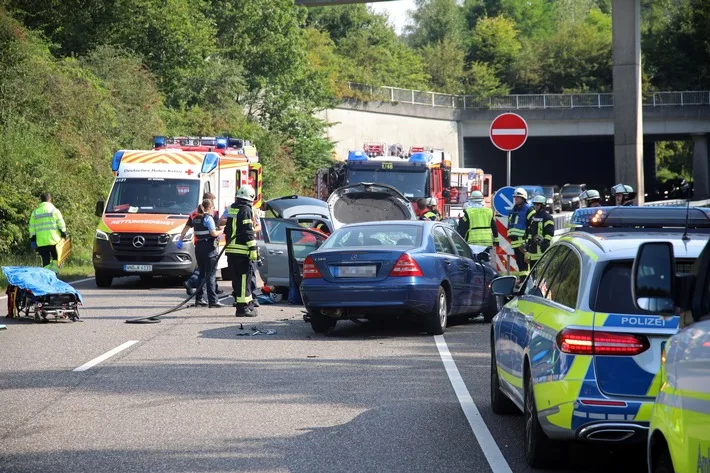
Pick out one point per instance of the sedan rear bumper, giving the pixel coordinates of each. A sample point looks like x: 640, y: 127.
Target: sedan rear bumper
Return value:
x: 382, y: 299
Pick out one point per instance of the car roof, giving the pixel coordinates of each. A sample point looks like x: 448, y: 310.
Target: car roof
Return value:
x: 615, y: 245
x: 418, y: 223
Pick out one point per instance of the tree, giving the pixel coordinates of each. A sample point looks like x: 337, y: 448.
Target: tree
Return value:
x: 483, y: 82
x: 494, y: 41
x: 445, y: 62
x: 435, y: 20
x: 534, y: 19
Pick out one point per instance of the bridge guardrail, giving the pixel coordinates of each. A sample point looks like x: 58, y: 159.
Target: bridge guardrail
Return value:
x: 525, y: 101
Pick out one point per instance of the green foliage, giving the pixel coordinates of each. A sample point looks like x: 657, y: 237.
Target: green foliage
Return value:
x: 445, y: 62
x: 674, y: 160
x: 494, y: 41
x: 434, y: 21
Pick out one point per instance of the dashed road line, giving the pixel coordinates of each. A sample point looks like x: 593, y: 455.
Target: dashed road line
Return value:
x: 105, y: 356
x: 485, y: 440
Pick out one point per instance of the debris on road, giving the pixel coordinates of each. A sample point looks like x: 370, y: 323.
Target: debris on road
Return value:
x: 254, y: 331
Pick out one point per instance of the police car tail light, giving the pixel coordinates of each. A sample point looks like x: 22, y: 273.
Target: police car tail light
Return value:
x: 310, y: 270
x: 589, y: 342
x: 406, y: 266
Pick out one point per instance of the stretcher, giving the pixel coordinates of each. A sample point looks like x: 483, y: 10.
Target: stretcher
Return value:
x: 37, y: 293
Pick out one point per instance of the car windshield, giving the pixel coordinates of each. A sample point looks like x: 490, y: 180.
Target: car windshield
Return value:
x: 571, y: 191
x: 154, y: 196
x: 392, y: 236
x: 614, y: 293
x: 411, y: 183
x: 548, y: 192
x: 532, y: 191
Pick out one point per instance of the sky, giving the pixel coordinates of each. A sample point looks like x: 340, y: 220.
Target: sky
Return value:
x: 397, y: 11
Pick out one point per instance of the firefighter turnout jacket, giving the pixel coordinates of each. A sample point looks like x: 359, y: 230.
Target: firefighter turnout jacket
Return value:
x: 47, y: 225
x: 478, y: 226
x: 240, y: 230
x: 519, y: 220
x: 540, y: 233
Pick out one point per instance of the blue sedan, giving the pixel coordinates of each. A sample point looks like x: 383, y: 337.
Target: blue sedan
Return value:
x: 379, y: 269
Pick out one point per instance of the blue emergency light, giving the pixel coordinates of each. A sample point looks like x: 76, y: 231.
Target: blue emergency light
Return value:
x: 221, y: 144
x: 116, y: 161
x: 641, y: 217
x: 210, y: 162
x: 421, y: 157
x: 357, y: 155
x: 158, y: 141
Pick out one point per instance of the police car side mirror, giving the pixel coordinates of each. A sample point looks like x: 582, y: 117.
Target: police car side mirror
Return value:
x: 99, y: 208
x: 653, y: 283
x: 504, y: 285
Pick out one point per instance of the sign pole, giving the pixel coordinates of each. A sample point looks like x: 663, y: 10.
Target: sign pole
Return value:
x: 508, y: 170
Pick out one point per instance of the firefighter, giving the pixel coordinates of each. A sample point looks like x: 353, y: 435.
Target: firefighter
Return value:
x: 592, y: 198
x: 540, y: 231
x: 623, y: 194
x: 47, y: 229
x: 241, y: 250
x: 519, y: 220
x: 478, y: 223
x: 421, y: 208
x: 206, y: 234
x: 431, y: 213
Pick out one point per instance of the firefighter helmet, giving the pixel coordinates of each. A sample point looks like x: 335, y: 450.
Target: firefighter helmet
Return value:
x: 520, y: 192
x: 539, y: 199
x: 246, y: 192
x: 476, y: 196
x: 591, y: 194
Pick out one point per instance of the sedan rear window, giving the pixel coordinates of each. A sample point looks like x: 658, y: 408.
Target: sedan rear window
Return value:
x: 392, y: 236
x: 614, y: 291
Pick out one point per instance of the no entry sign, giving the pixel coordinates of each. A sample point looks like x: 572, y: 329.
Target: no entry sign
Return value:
x: 508, y: 131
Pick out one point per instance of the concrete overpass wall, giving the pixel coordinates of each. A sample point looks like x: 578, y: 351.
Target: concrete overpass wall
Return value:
x: 356, y: 124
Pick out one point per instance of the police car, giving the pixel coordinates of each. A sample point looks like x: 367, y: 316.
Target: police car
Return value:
x: 571, y: 349
x: 679, y: 436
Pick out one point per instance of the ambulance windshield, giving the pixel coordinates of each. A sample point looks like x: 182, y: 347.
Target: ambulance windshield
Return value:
x: 154, y: 196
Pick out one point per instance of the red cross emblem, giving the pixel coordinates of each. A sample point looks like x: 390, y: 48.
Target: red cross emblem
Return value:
x: 190, y: 172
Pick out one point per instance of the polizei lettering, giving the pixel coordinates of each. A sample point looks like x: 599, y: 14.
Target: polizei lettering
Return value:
x: 643, y: 321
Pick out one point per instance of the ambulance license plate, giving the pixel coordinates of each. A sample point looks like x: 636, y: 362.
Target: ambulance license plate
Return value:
x: 138, y: 268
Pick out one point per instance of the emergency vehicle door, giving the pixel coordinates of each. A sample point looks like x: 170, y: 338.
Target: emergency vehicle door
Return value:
x: 255, y: 181
x: 301, y: 242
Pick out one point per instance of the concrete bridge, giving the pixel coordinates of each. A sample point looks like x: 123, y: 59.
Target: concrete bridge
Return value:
x: 571, y: 137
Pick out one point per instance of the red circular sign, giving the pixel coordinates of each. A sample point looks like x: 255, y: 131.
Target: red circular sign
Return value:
x: 508, y: 132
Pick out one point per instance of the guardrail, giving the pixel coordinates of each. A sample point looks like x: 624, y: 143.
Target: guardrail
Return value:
x: 525, y: 101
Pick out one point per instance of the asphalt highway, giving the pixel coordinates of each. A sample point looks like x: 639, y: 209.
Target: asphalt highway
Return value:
x: 191, y: 394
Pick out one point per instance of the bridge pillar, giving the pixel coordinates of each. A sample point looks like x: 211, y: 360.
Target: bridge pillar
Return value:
x: 701, y: 168
x: 626, y: 78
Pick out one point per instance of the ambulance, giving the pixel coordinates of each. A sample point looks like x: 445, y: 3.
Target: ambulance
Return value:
x: 153, y: 194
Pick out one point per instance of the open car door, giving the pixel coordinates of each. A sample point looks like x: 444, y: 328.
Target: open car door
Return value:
x: 301, y: 242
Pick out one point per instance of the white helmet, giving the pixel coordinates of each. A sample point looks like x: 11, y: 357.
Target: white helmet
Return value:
x: 246, y: 192
x: 431, y: 201
x: 621, y: 189
x: 476, y: 196
x: 591, y: 194
x: 539, y: 199
x: 520, y: 192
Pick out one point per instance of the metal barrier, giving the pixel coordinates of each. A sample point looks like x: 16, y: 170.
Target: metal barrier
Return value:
x: 525, y: 102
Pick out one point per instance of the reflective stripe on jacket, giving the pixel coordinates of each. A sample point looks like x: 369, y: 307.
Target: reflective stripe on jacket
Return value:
x: 480, y: 226
x: 47, y: 224
x: 518, y: 221
x: 240, y: 229
x: 202, y: 234
x: 543, y: 225
x: 429, y: 215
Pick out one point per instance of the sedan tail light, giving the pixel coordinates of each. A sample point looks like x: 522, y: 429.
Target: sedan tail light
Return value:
x: 589, y: 342
x: 406, y: 266
x: 310, y: 270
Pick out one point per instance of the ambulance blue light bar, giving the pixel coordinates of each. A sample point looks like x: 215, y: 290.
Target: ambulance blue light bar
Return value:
x: 210, y: 162
x: 357, y: 155
x: 116, y: 161
x: 158, y: 141
x: 641, y: 217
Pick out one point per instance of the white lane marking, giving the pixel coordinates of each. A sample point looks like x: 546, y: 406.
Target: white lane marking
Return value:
x: 509, y: 131
x: 490, y: 449
x: 72, y: 283
x: 105, y: 356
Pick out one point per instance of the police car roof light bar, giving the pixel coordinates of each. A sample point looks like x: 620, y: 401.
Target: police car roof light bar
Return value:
x: 641, y: 217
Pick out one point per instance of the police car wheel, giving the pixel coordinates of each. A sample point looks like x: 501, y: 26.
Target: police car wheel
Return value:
x: 540, y: 451
x: 664, y: 463
x: 499, y: 401
x: 436, y: 320
x: 321, y: 323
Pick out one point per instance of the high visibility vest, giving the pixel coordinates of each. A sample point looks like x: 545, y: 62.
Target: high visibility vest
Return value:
x: 518, y: 224
x: 429, y: 215
x: 47, y: 224
x: 544, y: 226
x: 479, y: 226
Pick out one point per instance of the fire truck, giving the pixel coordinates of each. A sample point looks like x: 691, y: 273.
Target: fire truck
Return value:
x: 419, y: 173
x: 153, y: 193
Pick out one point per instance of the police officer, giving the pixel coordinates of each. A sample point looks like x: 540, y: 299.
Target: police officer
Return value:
x: 432, y: 213
x: 623, y: 194
x: 241, y: 249
x: 541, y: 230
x: 206, y: 234
x: 592, y: 198
x: 478, y: 224
x: 519, y: 220
x: 47, y: 228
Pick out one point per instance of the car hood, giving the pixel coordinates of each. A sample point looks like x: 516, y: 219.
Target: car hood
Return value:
x: 367, y: 202
x: 289, y: 206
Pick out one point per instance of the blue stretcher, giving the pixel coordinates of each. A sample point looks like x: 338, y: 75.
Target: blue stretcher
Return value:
x: 37, y: 293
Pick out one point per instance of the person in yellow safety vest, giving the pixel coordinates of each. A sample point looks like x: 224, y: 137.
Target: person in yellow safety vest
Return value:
x: 47, y: 229
x: 241, y: 250
x: 478, y: 223
x: 541, y: 230
x: 592, y: 198
x: 519, y: 220
x: 432, y: 213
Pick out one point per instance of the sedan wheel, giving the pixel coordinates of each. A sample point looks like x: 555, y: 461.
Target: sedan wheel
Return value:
x: 436, y: 320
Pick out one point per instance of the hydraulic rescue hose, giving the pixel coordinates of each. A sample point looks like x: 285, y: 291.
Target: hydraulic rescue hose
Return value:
x: 155, y: 318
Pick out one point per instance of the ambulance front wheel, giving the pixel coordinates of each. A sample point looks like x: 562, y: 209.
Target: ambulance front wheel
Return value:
x: 103, y: 279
